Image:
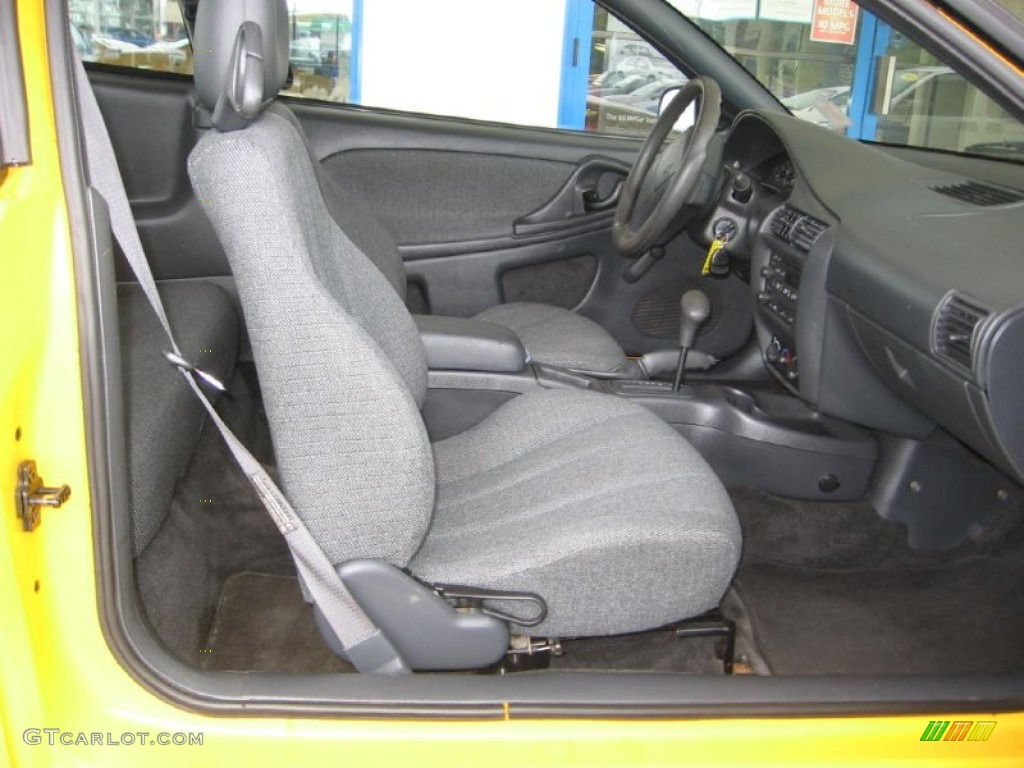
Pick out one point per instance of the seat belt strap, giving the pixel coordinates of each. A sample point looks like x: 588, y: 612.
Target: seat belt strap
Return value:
x: 366, y: 646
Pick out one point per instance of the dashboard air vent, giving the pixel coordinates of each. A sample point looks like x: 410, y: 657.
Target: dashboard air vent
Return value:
x: 806, y: 232
x: 796, y: 228
x: 976, y: 193
x: 955, y: 324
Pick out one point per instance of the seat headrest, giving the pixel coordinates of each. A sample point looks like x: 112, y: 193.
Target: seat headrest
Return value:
x: 241, y: 57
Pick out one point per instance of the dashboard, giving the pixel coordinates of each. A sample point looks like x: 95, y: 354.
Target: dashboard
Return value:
x: 887, y: 293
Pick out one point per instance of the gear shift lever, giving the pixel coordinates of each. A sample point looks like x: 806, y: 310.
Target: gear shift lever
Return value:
x: 694, y: 309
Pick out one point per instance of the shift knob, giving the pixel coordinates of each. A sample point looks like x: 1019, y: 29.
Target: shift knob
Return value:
x: 694, y: 309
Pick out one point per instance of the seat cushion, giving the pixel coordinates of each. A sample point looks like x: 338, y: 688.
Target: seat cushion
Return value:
x: 163, y: 417
x: 557, y: 336
x: 588, y: 500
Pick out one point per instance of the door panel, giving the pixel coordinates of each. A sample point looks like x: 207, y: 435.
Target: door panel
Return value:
x: 487, y: 213
x: 441, y: 196
x: 465, y: 283
x: 149, y: 118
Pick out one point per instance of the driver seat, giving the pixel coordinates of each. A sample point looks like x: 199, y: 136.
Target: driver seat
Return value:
x: 586, y: 499
x: 551, y: 335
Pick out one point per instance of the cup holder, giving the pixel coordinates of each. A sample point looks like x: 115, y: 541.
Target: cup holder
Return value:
x: 741, y: 401
x: 780, y: 412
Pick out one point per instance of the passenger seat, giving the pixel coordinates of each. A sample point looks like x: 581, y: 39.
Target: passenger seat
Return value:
x: 163, y: 418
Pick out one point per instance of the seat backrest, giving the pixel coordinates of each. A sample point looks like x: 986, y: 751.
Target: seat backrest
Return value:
x: 341, y: 365
x: 355, y: 217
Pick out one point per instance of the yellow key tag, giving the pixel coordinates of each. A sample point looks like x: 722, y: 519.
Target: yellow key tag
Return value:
x: 713, y: 249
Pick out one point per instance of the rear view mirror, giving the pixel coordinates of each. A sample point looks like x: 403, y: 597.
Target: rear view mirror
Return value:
x: 689, y: 116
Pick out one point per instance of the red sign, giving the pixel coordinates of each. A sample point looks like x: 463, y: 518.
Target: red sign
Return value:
x: 834, y: 21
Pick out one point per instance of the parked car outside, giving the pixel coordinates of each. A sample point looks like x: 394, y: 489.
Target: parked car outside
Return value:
x: 647, y: 97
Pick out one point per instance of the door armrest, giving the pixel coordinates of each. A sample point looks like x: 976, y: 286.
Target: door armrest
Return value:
x: 462, y: 344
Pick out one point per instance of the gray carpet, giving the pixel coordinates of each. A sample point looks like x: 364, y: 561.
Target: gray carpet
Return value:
x: 825, y: 588
x: 834, y: 589
x: 215, y: 527
x: 263, y: 624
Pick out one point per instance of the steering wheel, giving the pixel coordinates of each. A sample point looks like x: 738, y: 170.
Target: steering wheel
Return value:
x: 666, y: 176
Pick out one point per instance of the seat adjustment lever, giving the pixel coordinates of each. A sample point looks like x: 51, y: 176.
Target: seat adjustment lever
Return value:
x: 476, y: 597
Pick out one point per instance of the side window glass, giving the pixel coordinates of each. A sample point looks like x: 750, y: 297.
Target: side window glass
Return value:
x: 145, y: 34
x: 568, y: 65
x: 628, y: 78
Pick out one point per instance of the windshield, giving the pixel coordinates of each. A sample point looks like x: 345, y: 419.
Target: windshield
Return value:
x: 834, y: 64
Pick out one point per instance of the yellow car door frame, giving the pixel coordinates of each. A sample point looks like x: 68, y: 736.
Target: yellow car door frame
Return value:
x: 67, y: 698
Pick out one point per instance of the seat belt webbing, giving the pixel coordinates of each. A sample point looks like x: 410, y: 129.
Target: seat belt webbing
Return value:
x: 366, y: 646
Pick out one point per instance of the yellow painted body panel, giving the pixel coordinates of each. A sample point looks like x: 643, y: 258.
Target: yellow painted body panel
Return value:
x: 56, y: 670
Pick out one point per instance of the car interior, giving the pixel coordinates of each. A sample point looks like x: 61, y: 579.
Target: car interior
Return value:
x: 600, y: 417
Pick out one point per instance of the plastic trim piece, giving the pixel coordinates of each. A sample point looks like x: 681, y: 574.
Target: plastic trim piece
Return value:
x: 14, y: 143
x: 429, y: 633
x: 460, y: 344
x: 1005, y: 29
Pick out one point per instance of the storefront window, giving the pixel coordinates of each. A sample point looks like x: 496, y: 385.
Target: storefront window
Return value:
x: 146, y: 34
x: 626, y: 80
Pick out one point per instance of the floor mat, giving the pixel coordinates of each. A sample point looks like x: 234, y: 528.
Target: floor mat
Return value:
x: 832, y: 588
x: 216, y: 527
x: 961, y: 619
x: 263, y: 624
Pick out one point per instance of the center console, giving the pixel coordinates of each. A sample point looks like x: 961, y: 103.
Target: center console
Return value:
x: 764, y: 438
x: 790, y: 236
x: 760, y: 437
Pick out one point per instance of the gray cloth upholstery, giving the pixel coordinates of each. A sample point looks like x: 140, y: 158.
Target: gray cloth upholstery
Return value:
x: 341, y: 364
x: 557, y: 336
x: 353, y: 215
x: 163, y: 417
x: 551, y: 335
x: 592, y: 502
x: 587, y: 499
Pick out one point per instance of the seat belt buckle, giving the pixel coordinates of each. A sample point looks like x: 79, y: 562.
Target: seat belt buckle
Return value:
x: 182, y: 364
x: 477, y: 598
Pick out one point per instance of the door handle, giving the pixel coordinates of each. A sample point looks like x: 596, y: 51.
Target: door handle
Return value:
x: 592, y: 203
x: 578, y: 202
